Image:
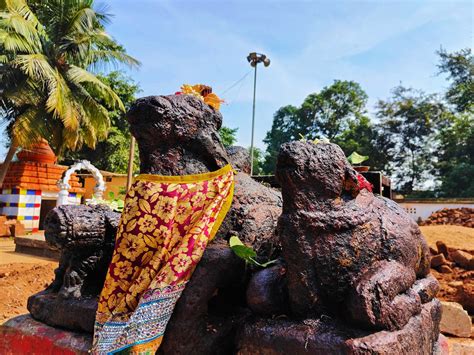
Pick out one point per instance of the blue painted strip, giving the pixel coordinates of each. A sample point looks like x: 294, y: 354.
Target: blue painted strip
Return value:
x: 137, y: 343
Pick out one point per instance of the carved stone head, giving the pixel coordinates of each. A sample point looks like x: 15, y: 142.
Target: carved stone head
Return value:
x: 176, y: 134
x: 318, y: 171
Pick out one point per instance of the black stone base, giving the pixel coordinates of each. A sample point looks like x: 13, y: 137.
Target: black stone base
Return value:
x: 325, y: 336
x: 78, y: 315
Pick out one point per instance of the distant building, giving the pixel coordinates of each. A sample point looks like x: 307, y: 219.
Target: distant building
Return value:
x: 115, y: 183
x: 421, y: 209
x: 29, y: 190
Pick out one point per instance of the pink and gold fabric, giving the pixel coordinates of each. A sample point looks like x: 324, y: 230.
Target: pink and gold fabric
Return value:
x: 164, y: 229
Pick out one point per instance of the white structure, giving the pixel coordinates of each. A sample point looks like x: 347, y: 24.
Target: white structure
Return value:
x: 63, y: 184
x: 423, y: 209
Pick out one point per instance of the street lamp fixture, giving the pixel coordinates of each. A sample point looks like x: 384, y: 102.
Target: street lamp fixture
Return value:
x: 255, y: 58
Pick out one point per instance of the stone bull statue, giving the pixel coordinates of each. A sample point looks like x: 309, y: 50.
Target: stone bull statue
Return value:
x: 352, y: 271
x: 357, y: 266
x: 176, y: 135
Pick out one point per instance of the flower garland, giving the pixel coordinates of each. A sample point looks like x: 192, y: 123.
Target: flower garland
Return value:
x: 363, y: 183
x: 202, y: 92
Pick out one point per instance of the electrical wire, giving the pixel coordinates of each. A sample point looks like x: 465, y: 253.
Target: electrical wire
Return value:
x: 237, y: 82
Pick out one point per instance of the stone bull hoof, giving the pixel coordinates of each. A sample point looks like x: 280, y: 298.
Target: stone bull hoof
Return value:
x: 327, y: 336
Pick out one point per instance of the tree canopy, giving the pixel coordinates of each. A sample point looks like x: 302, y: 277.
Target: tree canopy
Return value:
x: 409, y: 122
x: 423, y: 141
x: 337, y: 112
x: 46, y: 88
x: 112, y: 154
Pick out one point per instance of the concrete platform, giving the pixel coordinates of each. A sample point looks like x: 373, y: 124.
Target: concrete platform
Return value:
x: 35, y: 244
x: 24, y: 335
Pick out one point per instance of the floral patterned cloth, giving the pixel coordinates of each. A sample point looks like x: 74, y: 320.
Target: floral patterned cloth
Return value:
x: 164, y: 229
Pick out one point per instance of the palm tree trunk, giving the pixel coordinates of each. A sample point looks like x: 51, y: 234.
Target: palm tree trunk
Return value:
x: 4, y: 167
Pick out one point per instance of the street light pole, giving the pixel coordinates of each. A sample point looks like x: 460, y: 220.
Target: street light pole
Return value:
x: 253, y: 119
x: 255, y: 58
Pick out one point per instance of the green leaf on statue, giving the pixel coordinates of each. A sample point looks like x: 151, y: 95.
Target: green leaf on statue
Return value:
x: 241, y: 250
x: 356, y: 158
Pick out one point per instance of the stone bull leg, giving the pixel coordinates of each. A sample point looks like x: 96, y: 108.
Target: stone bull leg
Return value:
x: 85, y: 236
x: 74, y: 277
x: 208, y: 312
x: 383, y: 298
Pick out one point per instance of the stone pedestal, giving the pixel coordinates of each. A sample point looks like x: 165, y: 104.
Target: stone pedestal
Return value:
x: 327, y: 336
x: 24, y: 335
x: 74, y: 314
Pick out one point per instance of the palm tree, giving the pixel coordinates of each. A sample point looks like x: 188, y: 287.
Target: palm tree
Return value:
x: 48, y: 50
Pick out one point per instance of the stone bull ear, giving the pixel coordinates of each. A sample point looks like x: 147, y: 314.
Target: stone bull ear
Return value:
x: 351, y: 183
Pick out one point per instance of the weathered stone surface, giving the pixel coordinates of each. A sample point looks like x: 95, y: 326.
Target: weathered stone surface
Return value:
x: 455, y: 320
x: 210, y: 308
x: 253, y: 216
x: 463, y: 259
x: 24, y: 335
x: 328, y: 336
x: 442, y: 248
x: 240, y: 158
x: 465, y: 296
x: 445, y: 269
x: 461, y: 346
x: 267, y: 292
x: 347, y: 251
x: 70, y: 313
x: 36, y: 245
x: 438, y: 260
x: 85, y: 236
x: 177, y: 135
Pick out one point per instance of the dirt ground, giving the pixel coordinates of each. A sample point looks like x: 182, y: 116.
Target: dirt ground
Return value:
x: 456, y: 237
x: 457, y: 286
x: 20, y: 276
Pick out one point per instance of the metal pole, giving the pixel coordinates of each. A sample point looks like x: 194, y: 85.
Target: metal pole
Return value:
x: 253, y: 119
x: 131, y: 158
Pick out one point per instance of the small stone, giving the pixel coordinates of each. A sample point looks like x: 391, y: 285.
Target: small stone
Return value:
x: 442, y: 248
x: 459, y: 346
x: 438, y: 260
x: 463, y: 259
x: 445, y: 269
x: 455, y: 320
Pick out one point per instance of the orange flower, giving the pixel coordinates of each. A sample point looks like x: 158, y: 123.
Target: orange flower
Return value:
x: 204, y: 93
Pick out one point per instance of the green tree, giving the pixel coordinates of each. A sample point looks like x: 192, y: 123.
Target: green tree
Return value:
x: 228, y: 136
x: 455, y: 164
x: 112, y: 153
x: 459, y: 66
x: 257, y: 161
x: 409, y: 123
x: 337, y: 112
x: 46, y: 89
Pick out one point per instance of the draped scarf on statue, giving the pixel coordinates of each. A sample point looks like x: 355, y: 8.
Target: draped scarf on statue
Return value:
x: 164, y: 229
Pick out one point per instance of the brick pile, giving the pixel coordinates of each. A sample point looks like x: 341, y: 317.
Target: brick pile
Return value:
x: 10, y: 227
x: 455, y: 216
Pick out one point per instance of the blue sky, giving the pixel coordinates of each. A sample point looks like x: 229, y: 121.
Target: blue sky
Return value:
x: 310, y: 43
